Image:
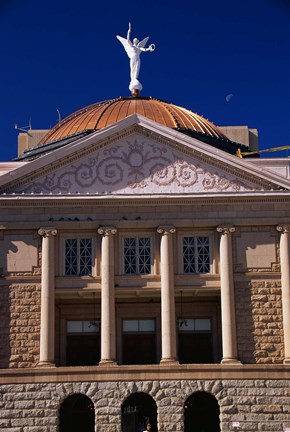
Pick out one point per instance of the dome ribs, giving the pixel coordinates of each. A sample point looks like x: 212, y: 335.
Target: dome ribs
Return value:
x: 109, y: 114
x: 163, y: 115
x: 126, y: 109
x: 105, y: 113
x: 174, y: 111
x: 88, y: 119
x: 57, y: 131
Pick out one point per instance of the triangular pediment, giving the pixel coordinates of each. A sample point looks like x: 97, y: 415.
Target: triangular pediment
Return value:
x: 137, y: 156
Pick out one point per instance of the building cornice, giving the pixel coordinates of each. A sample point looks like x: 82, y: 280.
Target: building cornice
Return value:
x: 143, y: 199
x: 143, y: 373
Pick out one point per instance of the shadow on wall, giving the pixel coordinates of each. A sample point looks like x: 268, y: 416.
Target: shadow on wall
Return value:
x: 5, y: 320
x: 19, y: 301
x: 256, y: 299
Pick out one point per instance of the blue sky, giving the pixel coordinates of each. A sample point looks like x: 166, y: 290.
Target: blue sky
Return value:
x: 63, y: 55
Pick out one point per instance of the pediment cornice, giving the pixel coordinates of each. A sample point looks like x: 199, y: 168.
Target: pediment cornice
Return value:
x: 140, y: 129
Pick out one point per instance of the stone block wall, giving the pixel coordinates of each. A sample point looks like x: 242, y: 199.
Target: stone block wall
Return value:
x: 20, y: 325
x: 257, y: 404
x: 259, y: 322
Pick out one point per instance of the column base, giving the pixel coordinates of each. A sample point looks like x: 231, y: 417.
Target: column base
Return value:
x: 107, y: 363
x: 231, y: 361
x: 169, y: 361
x: 45, y: 364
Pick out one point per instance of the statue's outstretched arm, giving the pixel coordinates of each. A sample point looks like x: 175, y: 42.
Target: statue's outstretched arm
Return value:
x: 129, y: 32
x: 150, y: 48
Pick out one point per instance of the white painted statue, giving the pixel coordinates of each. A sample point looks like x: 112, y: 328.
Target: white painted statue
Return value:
x: 134, y: 50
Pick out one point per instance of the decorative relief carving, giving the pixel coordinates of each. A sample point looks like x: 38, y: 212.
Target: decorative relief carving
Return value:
x: 283, y: 228
x: 47, y: 232
x: 165, y: 230
x: 107, y: 231
x: 135, y: 165
x: 226, y: 229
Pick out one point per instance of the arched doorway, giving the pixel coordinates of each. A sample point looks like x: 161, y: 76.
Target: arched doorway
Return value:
x: 201, y: 413
x: 77, y: 413
x: 138, y: 410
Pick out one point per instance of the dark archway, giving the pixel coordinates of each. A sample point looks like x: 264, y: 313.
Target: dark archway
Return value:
x: 138, y: 410
x: 201, y: 413
x: 77, y: 413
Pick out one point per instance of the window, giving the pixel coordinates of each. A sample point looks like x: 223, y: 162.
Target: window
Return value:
x: 83, y: 327
x: 196, y: 255
x: 194, y: 325
x: 78, y: 257
x: 195, y: 340
x: 139, y: 341
x: 137, y: 255
x: 83, y: 343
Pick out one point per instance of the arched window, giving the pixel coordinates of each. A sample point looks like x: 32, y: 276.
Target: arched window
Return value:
x: 77, y: 413
x: 201, y: 413
x: 138, y: 410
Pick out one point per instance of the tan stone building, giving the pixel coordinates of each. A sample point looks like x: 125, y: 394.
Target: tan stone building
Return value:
x: 144, y: 276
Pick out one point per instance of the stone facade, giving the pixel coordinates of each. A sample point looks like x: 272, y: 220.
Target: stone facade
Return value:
x: 20, y: 322
x: 66, y: 220
x: 257, y: 404
x: 260, y: 329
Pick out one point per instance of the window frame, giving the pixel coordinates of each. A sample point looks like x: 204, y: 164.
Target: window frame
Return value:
x: 195, y: 234
x: 78, y: 237
x: 136, y: 235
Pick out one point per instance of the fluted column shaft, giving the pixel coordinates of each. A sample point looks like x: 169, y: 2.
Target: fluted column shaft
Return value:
x: 285, y: 286
x: 108, y: 331
x: 47, y: 320
x: 229, y: 338
x: 168, y: 320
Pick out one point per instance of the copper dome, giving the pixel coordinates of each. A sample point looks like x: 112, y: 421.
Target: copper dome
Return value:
x: 102, y: 114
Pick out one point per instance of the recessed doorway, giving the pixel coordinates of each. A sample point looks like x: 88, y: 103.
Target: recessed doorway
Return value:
x: 201, y: 413
x: 138, y: 410
x: 77, y: 413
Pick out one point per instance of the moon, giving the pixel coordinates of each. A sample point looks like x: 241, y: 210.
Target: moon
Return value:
x: 229, y: 97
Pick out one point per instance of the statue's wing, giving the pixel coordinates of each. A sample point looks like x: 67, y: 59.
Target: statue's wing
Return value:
x: 142, y: 43
x: 125, y: 44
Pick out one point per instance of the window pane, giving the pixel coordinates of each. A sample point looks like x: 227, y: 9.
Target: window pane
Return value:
x: 203, y: 265
x: 189, y: 255
x: 196, y: 255
x: 74, y: 326
x: 71, y: 253
x: 147, y: 325
x: 130, y: 326
x: 91, y: 326
x: 130, y: 256
x: 144, y: 256
x: 137, y: 255
x: 85, y: 256
x: 186, y: 324
x: 202, y: 324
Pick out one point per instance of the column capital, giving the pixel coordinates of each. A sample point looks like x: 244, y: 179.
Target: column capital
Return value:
x: 166, y: 229
x: 47, y: 231
x: 283, y: 228
x: 226, y: 229
x: 107, y: 231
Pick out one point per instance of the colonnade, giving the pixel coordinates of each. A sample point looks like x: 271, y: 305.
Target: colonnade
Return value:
x: 168, y: 318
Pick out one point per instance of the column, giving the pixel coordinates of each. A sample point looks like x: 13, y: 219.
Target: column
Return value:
x: 229, y: 338
x: 285, y: 286
x: 108, y: 331
x: 47, y: 322
x: 168, y: 320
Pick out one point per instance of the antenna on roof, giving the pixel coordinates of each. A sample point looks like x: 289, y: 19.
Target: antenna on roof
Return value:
x: 24, y: 129
x: 59, y: 117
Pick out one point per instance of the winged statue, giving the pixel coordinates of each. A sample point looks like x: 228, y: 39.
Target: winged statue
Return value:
x: 133, y: 50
